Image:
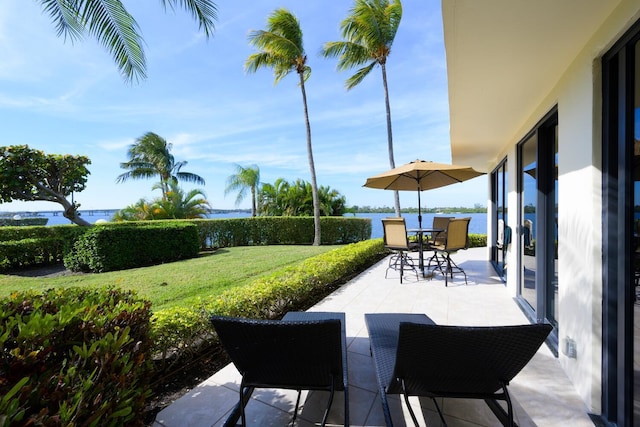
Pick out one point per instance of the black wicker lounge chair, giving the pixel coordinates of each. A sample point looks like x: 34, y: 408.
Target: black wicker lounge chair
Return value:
x: 415, y: 357
x: 293, y: 354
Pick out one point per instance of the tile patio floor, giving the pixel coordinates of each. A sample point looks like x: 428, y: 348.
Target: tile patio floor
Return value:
x: 542, y: 394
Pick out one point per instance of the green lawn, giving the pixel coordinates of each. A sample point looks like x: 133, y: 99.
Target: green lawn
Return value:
x: 176, y: 283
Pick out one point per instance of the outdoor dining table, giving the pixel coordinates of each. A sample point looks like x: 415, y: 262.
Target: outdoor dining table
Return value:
x: 420, y: 232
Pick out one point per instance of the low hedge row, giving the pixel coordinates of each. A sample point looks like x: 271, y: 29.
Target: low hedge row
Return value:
x: 114, y: 247
x: 213, y: 233
x: 23, y: 221
x: 179, y: 332
x: 74, y: 357
x: 280, y: 230
x: 28, y: 252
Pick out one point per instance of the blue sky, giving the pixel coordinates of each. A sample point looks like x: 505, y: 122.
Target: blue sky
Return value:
x: 68, y: 98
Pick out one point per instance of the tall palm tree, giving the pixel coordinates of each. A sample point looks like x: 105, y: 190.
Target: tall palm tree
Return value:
x: 150, y: 156
x: 116, y: 30
x: 280, y: 48
x: 243, y: 179
x: 368, y: 34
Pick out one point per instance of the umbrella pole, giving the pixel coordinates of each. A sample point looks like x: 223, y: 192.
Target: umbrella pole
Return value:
x: 421, y: 256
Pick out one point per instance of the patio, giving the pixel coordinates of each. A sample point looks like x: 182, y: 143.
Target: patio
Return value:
x: 542, y: 394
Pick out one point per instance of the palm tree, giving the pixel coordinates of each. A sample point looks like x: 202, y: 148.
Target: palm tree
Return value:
x: 368, y: 34
x: 116, y: 30
x: 271, y: 197
x: 181, y: 205
x: 280, y: 48
x: 150, y: 156
x: 244, y: 178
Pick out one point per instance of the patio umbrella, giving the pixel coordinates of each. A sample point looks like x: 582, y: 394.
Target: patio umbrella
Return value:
x: 421, y: 175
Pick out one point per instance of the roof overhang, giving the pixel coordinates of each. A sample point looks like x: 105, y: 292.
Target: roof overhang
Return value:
x: 503, y: 59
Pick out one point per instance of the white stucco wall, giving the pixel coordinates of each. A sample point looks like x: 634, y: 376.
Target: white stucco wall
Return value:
x: 578, y: 96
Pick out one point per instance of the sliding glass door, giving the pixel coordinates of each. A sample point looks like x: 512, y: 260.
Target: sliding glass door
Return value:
x: 538, y: 222
x: 501, y: 231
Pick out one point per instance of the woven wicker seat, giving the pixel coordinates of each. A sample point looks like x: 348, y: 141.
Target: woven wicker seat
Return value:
x: 289, y: 354
x: 415, y: 357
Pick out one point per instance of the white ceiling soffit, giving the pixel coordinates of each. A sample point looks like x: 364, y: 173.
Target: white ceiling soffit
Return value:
x: 503, y: 58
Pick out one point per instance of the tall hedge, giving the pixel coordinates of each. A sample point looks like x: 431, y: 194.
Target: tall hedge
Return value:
x: 114, y: 247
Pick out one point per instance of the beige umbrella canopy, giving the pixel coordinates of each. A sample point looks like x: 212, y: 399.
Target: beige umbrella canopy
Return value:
x: 421, y: 175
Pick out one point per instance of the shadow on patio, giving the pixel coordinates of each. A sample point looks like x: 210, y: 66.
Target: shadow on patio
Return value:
x: 542, y: 394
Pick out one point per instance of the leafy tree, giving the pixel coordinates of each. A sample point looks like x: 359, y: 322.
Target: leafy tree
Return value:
x: 31, y: 175
x: 150, y: 156
x: 368, y: 34
x: 116, y: 30
x: 280, y: 48
x: 243, y: 179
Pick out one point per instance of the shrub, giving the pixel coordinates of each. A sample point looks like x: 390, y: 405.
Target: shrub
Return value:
x: 179, y: 332
x: 477, y: 240
x: 74, y: 357
x: 27, y: 252
x: 116, y: 247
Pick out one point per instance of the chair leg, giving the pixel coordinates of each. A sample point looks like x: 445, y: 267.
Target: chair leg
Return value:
x: 406, y: 399
x: 326, y: 412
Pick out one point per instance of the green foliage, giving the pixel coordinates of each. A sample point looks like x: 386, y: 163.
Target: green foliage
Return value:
x: 284, y: 198
x: 150, y: 156
x: 284, y: 230
x: 28, y: 252
x: 114, y: 247
x: 175, y: 204
x: 29, y: 175
x: 23, y: 221
x: 29, y: 246
x: 180, y: 331
x: 477, y: 240
x: 74, y: 357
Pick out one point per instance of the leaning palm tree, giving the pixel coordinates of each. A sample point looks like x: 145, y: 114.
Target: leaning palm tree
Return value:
x: 150, y: 156
x: 280, y: 47
x: 368, y: 34
x: 116, y: 30
x: 243, y: 179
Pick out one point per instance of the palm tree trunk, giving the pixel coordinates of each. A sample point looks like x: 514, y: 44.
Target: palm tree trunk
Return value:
x: 392, y: 162
x: 312, y: 169
x: 253, y: 200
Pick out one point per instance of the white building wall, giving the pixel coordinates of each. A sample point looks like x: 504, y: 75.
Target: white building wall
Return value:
x: 578, y: 96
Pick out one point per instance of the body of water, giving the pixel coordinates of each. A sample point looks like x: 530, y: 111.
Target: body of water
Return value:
x: 478, y: 224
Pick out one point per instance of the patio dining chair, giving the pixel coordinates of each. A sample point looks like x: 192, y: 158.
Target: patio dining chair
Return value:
x: 415, y: 357
x: 288, y: 354
x: 457, y: 238
x: 396, y: 239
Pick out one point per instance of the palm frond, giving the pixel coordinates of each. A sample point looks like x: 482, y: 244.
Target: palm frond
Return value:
x: 354, y: 80
x: 65, y: 18
x: 204, y: 11
x: 118, y: 32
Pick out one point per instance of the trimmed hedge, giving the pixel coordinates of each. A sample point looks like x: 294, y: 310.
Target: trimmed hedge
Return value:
x: 58, y: 240
x: 23, y: 221
x: 280, y: 230
x: 28, y: 252
x: 114, y: 247
x: 179, y: 332
x: 74, y: 357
